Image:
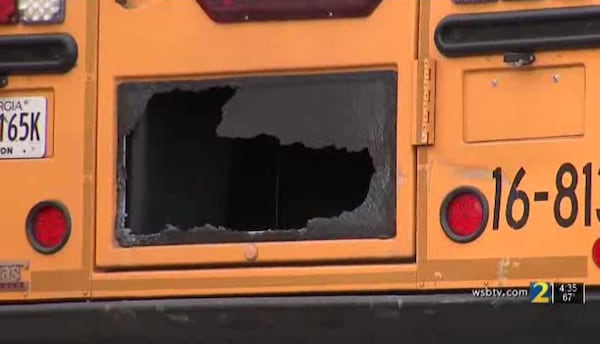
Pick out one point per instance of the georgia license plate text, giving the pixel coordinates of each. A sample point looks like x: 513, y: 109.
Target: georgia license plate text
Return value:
x: 23, y: 127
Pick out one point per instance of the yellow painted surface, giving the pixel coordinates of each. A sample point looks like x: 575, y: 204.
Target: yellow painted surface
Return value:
x: 523, y: 121
x: 537, y: 103
x: 204, y: 49
x: 487, y: 116
x: 255, y: 281
x: 66, y: 173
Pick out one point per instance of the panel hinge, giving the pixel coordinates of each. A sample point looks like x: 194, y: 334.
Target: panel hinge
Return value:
x: 425, y: 102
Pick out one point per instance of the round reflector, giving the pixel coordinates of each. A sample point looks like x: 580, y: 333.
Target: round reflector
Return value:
x: 464, y: 214
x: 596, y: 253
x: 48, y: 227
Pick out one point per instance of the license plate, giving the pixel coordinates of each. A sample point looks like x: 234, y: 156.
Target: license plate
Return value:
x: 23, y: 127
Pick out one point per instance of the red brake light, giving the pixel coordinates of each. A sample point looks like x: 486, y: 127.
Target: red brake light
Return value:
x: 464, y: 214
x: 48, y: 227
x: 596, y: 253
x: 231, y: 11
x: 8, y: 11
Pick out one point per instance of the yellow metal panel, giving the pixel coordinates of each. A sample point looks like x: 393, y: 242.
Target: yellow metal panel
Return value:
x: 67, y: 171
x: 491, y: 116
x: 254, y: 281
x: 167, y: 40
x: 497, y: 103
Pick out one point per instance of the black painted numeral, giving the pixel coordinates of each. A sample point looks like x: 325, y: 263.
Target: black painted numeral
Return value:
x: 566, y: 191
x: 497, y: 175
x: 514, y: 195
x: 587, y: 201
x: 566, y: 182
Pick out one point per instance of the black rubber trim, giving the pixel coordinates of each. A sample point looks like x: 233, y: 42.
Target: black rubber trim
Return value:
x: 463, y: 35
x: 353, y: 319
x: 29, y: 227
x: 37, y: 54
x: 444, y: 209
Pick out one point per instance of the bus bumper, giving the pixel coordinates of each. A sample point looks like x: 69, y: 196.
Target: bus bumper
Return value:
x: 419, y: 319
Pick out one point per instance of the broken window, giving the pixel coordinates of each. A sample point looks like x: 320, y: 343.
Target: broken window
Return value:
x: 258, y: 159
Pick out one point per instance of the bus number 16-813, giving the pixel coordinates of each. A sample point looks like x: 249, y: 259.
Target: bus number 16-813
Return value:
x: 564, y: 191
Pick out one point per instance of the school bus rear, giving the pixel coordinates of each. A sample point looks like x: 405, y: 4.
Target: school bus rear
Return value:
x: 287, y: 170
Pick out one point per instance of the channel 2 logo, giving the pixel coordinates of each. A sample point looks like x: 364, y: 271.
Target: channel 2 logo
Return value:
x: 541, y: 292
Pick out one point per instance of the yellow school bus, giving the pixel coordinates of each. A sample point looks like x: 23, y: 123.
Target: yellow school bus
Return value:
x: 279, y: 171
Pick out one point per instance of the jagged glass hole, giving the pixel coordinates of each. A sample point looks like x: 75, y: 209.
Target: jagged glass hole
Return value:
x: 181, y: 173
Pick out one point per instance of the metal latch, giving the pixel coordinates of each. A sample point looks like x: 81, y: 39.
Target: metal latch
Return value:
x: 519, y: 59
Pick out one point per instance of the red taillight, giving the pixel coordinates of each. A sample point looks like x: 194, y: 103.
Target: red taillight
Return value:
x: 464, y: 214
x: 48, y: 227
x: 596, y: 253
x: 231, y: 11
x: 8, y: 11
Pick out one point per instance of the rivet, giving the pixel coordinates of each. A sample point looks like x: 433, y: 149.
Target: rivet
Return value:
x: 251, y: 253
